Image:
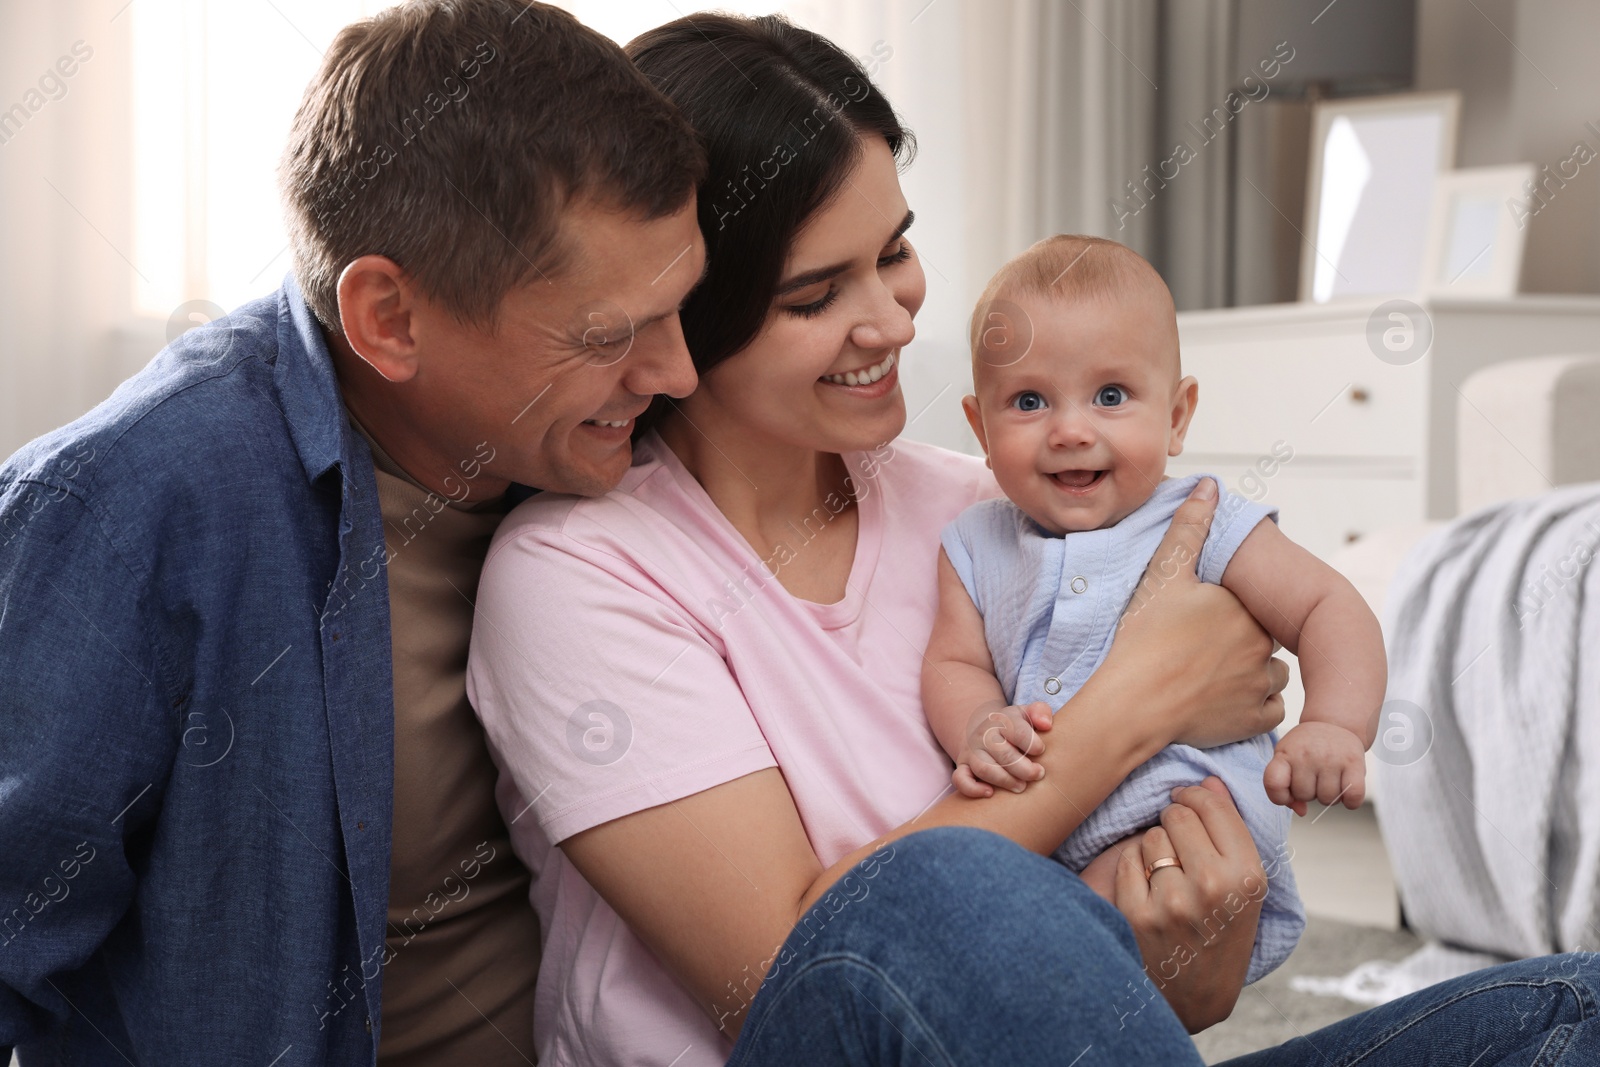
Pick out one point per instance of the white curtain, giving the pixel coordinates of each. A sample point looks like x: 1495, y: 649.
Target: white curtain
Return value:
x: 1061, y: 112
x: 1195, y: 225
x: 139, y: 182
x: 66, y: 278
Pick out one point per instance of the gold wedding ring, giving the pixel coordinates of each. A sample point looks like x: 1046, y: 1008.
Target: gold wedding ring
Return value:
x: 1170, y: 861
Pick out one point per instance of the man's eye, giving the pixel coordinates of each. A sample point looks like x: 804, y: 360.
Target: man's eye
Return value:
x: 606, y: 328
x: 599, y: 346
x: 1028, y: 401
x: 1110, y: 396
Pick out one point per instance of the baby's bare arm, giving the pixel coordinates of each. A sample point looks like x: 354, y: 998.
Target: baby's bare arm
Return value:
x: 959, y: 691
x: 957, y: 672
x: 1314, y: 612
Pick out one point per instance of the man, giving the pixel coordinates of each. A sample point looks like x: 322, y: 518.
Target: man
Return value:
x: 243, y: 800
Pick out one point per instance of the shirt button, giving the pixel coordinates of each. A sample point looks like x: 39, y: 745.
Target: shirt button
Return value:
x: 1052, y: 686
x: 1080, y: 584
x: 369, y: 1024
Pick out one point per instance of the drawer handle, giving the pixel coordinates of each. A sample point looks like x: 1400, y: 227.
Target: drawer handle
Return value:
x: 1358, y: 395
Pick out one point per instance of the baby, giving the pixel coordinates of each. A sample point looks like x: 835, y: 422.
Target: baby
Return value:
x: 1080, y: 400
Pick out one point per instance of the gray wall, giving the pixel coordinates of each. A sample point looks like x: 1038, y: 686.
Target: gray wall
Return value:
x: 1529, y: 75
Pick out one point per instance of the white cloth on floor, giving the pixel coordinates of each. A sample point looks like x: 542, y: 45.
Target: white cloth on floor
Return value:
x: 1488, y: 782
x: 1380, y: 981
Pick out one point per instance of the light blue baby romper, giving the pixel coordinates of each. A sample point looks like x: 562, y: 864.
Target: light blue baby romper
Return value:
x: 1050, y: 608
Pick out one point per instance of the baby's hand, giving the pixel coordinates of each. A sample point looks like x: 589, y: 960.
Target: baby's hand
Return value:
x: 999, y: 742
x: 1317, y: 760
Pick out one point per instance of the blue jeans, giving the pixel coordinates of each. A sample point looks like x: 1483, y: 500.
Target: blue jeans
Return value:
x: 956, y: 946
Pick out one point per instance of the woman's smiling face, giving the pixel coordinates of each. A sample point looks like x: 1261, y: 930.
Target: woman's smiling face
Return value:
x: 849, y: 289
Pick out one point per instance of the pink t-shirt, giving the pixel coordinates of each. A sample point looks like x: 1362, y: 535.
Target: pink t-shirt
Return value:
x: 634, y: 649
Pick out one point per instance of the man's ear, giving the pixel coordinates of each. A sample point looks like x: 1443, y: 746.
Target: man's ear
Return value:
x: 969, y: 405
x: 376, y: 303
x: 1184, y: 400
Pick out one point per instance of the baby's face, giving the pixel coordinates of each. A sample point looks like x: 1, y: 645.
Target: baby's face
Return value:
x: 1079, y: 427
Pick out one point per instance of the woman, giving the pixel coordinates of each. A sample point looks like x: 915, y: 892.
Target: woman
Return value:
x: 702, y: 689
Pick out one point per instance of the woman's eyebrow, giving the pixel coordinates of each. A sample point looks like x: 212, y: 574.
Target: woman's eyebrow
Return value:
x: 905, y: 224
x: 822, y: 274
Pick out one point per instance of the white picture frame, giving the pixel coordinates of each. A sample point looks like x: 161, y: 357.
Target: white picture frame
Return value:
x: 1370, y: 185
x: 1475, y: 242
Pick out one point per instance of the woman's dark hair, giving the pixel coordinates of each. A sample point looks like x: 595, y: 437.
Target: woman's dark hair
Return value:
x: 779, y: 111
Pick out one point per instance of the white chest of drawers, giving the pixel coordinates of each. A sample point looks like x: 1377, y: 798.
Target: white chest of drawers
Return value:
x: 1373, y: 439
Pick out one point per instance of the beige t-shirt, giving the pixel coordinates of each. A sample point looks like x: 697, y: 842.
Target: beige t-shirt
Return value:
x: 463, y: 939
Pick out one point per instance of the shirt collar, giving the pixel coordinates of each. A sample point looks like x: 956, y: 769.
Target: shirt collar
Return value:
x: 308, y: 388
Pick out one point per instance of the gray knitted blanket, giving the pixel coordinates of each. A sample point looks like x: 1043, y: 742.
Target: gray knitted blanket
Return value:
x: 1488, y: 785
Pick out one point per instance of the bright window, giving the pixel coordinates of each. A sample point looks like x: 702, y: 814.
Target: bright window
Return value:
x: 215, y: 87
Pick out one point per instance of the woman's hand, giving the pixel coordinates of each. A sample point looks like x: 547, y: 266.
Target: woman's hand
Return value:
x: 1195, y: 922
x: 1205, y: 665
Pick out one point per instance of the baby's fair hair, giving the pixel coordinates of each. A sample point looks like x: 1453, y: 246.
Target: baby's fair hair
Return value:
x: 1070, y: 267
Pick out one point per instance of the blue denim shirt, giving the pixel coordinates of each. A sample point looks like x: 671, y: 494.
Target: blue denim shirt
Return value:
x: 196, y: 715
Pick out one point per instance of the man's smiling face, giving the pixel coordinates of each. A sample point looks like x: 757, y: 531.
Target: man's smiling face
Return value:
x: 573, y: 357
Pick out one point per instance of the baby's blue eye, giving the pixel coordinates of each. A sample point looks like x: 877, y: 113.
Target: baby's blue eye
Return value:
x: 1028, y: 401
x: 1110, y: 396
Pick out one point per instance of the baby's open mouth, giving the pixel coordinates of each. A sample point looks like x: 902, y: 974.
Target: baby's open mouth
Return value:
x: 1077, y: 479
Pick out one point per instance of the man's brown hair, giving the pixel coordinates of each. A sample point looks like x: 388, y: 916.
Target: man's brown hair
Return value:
x: 448, y: 135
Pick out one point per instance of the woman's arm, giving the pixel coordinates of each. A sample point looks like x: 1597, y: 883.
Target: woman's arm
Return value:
x: 713, y: 883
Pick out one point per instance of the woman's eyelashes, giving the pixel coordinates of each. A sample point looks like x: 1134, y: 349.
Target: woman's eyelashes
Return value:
x: 818, y: 306
x: 899, y: 255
